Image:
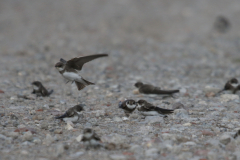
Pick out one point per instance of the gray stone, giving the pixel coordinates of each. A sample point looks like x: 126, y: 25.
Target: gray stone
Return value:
x: 59, y: 149
x: 36, y: 140
x: 228, y: 97
x: 225, y: 139
x: 114, y: 138
x: 212, y: 155
x: 7, y: 139
x: 153, y: 119
x: 27, y: 136
x: 76, y: 155
x: 211, y: 88
x: 27, y: 143
x: 117, y: 157
x: 88, y: 125
x: 14, y: 135
x: 133, y: 116
x: 152, y: 152
x: 136, y: 148
x: 48, y: 140
x: 185, y: 155
x: 180, y: 113
x: 117, y: 119
x: 44, y: 125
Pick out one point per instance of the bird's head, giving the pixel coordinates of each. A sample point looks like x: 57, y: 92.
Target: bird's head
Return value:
x: 37, y: 84
x: 140, y: 103
x: 87, y: 131
x: 60, y: 66
x: 131, y: 104
x: 138, y: 84
x: 234, y: 80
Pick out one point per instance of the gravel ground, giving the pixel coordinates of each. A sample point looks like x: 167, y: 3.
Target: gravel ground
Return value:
x: 169, y: 44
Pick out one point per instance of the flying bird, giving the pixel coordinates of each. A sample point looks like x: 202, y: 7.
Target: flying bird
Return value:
x: 70, y: 69
x: 40, y: 90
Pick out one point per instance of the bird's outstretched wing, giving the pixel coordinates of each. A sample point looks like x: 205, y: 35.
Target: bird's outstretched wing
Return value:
x: 78, y: 62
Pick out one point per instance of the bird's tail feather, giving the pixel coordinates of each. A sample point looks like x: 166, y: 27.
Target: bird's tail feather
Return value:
x: 62, y: 116
x: 50, y: 92
x: 165, y: 91
x: 88, y: 83
x: 165, y: 111
x: 79, y: 85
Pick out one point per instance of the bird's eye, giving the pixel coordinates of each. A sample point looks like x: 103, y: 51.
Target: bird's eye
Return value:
x: 127, y: 102
x: 133, y: 102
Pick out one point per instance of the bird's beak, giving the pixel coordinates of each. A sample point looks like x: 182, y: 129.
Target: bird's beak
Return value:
x: 120, y: 104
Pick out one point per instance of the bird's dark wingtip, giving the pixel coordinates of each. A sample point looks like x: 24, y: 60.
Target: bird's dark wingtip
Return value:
x: 62, y: 116
x: 50, y: 92
x: 103, y: 54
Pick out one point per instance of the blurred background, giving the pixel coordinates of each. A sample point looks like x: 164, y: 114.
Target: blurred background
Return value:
x: 101, y: 25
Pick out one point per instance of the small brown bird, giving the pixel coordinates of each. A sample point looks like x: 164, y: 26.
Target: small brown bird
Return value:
x: 40, y: 90
x: 70, y: 69
x: 150, y: 89
x: 148, y: 109
x: 231, y: 85
x: 222, y: 24
x: 91, y: 139
x: 72, y: 114
x: 128, y: 106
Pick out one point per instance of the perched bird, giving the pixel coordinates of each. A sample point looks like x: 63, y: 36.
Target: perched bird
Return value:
x: 70, y: 69
x: 236, y: 134
x: 222, y: 24
x: 231, y: 85
x: 40, y: 90
x: 150, y: 89
x: 91, y: 139
x: 128, y: 106
x: 72, y: 114
x: 148, y: 109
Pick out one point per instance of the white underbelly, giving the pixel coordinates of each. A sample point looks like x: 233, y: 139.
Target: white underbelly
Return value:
x: 72, y: 119
x: 73, y: 77
x: 235, y: 85
x: 131, y: 106
x: 35, y: 87
x: 150, y: 113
